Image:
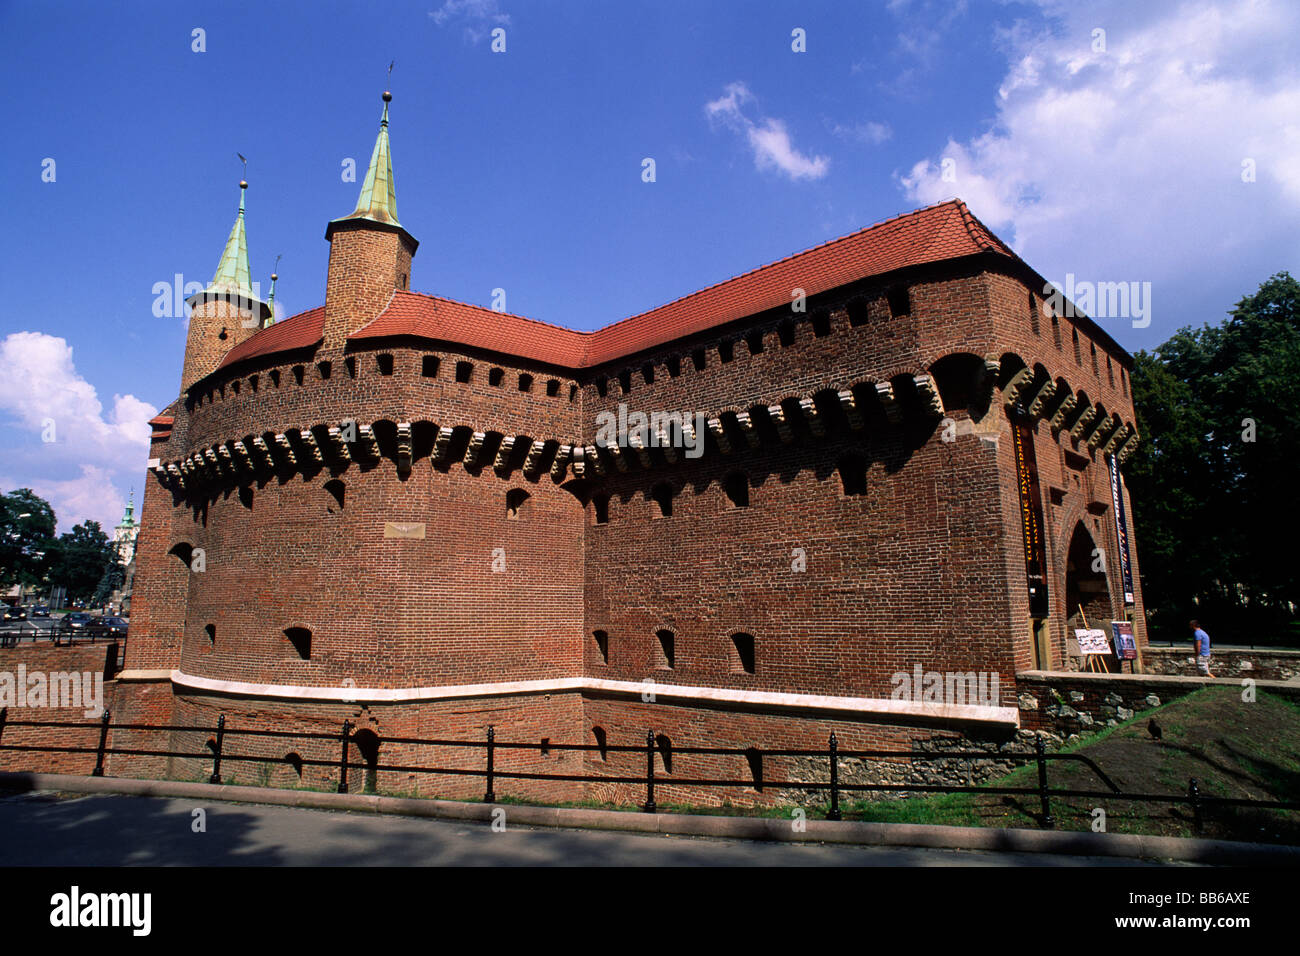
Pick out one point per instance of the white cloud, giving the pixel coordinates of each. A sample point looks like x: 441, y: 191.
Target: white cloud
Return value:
x: 476, y: 16
x: 871, y: 133
x: 42, y: 395
x: 768, y: 137
x: 1128, y: 161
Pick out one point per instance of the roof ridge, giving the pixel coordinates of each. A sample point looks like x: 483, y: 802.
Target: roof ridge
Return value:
x: 480, y: 308
x: 777, y: 262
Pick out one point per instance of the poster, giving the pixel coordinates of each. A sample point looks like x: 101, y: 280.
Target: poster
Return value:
x: 1125, y: 643
x: 1121, y: 529
x: 1092, y: 640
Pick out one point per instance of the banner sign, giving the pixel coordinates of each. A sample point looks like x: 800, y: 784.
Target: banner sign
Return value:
x: 1091, y: 641
x: 1125, y: 644
x: 1121, y: 529
x: 1031, y: 514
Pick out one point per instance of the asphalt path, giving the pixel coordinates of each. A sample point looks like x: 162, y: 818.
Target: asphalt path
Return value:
x: 47, y: 829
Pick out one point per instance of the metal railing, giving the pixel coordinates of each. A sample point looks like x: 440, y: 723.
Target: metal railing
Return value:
x: 221, y: 734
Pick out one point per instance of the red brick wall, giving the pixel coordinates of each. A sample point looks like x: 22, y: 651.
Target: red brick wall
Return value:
x: 46, y: 658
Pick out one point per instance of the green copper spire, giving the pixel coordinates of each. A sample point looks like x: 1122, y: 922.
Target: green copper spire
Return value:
x: 270, y: 300
x: 232, y: 271
x: 233, y: 277
x: 378, y: 200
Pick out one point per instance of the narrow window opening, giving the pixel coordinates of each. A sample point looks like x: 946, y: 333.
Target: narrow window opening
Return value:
x: 300, y: 638
x: 821, y: 324
x: 602, y: 508
x: 211, y: 631
x: 743, y: 658
x: 429, y: 366
x: 602, y: 386
x: 625, y: 381
x: 737, y: 488
x: 496, y: 376
x: 1078, y: 355
x: 665, y: 650
x: 385, y: 363
x: 324, y: 369
x: 573, y: 393
x: 275, y: 377
x: 337, y: 491
x: 515, y: 499
x: 252, y: 382
x: 858, y: 312
x: 464, y: 371
x: 665, y: 745
x: 246, y: 496
x: 726, y: 351
x: 785, y: 333
x: 602, y: 742
x: 602, y: 645
x: 674, y: 364
x: 900, y: 301
x: 755, y: 342
x: 853, y: 475
x: 698, y: 359
x: 525, y: 382
x: 1033, y: 313
x: 546, y: 746
x: 648, y: 373
x: 298, y: 373
x: 553, y: 387
x: 350, y: 363
x: 662, y: 494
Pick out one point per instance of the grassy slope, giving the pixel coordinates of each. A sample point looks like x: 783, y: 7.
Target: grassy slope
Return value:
x: 1232, y: 748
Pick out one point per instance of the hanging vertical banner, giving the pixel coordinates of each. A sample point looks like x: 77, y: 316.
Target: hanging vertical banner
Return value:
x: 1121, y: 529
x: 1031, y: 514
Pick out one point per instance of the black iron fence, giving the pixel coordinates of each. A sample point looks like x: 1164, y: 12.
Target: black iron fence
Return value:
x: 220, y: 735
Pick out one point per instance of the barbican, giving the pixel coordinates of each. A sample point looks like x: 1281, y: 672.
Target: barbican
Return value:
x: 915, y: 471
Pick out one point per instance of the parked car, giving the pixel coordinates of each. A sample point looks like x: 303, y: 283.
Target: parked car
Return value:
x: 41, y: 610
x: 113, y: 626
x: 76, y: 620
x: 14, y: 614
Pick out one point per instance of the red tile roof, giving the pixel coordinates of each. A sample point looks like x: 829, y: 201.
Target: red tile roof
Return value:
x: 162, y: 420
x: 946, y: 230
x: 296, y: 332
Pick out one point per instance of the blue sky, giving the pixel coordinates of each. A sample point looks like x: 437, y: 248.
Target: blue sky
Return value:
x: 522, y: 170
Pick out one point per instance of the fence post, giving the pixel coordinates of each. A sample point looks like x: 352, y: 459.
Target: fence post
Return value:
x: 1194, y: 797
x: 650, y: 805
x: 1048, y: 823
x: 343, y: 757
x: 103, y: 744
x: 216, y: 760
x: 490, y: 796
x: 834, y: 812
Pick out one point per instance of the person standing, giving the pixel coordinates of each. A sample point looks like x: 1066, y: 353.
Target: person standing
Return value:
x: 1202, y: 648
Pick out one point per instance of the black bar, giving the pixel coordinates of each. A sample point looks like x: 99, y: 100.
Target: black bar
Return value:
x: 1046, y: 801
x: 103, y: 744
x: 650, y: 805
x: 343, y: 757
x: 1194, y: 797
x: 490, y: 796
x: 834, y: 812
x: 216, y: 760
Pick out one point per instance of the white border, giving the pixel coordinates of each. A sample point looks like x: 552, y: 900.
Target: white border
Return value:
x: 873, y: 706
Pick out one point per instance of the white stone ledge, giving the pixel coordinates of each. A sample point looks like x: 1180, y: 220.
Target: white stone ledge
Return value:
x: 862, y: 706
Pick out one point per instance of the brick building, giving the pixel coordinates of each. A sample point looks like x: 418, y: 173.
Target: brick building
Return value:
x: 398, y: 509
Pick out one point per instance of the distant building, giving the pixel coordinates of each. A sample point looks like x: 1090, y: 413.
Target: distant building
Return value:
x: 125, y: 533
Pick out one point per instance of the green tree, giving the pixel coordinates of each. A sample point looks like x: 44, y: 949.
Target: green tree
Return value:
x: 79, y: 558
x: 26, y: 534
x: 1211, y: 484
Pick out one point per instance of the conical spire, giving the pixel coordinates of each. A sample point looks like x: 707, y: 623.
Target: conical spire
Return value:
x: 232, y: 271
x: 378, y: 200
x: 233, y: 278
x: 270, y: 301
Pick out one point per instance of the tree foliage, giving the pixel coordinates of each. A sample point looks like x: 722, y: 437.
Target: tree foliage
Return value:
x: 1217, y: 527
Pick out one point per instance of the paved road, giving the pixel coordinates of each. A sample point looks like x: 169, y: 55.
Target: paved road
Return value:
x: 42, y: 828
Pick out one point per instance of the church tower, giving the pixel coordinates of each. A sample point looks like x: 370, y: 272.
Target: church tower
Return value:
x: 227, y: 311
x: 370, y: 251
